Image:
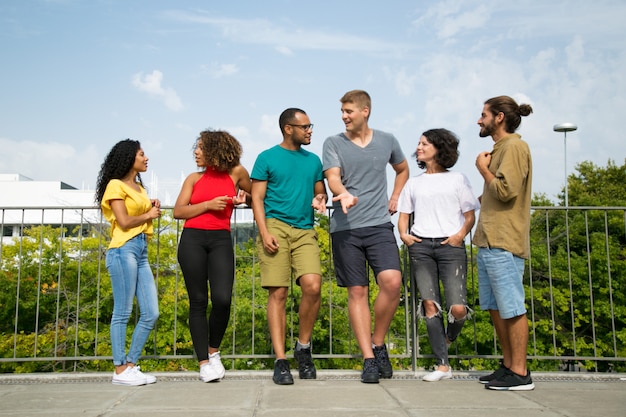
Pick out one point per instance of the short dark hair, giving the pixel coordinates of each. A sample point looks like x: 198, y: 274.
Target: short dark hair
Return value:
x: 512, y: 112
x: 288, y: 116
x: 447, y: 145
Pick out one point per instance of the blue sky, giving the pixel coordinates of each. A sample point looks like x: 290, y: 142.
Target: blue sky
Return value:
x: 76, y: 76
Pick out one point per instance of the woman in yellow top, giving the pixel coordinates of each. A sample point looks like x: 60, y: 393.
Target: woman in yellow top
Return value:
x: 126, y: 205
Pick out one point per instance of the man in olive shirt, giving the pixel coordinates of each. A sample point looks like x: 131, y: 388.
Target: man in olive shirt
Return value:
x: 502, y: 236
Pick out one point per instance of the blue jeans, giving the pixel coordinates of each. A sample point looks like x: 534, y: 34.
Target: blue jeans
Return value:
x: 500, y: 282
x: 434, y: 264
x: 131, y: 276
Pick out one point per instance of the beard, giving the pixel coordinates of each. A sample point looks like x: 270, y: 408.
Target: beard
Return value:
x: 487, y: 130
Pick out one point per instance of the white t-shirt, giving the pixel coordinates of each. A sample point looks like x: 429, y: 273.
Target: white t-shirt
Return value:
x: 438, y: 202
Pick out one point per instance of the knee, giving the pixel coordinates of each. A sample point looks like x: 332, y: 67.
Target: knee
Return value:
x: 459, y: 312
x: 150, y: 317
x: 430, y: 309
x: 391, y: 283
x: 222, y: 302
x: 278, y: 295
x: 311, y: 287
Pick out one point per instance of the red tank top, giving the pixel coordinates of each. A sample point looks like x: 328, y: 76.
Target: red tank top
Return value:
x: 210, y: 185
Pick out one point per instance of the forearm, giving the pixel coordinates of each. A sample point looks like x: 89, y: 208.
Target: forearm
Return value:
x: 190, y: 210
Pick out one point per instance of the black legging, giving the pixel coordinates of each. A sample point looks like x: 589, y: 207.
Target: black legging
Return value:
x: 207, y: 256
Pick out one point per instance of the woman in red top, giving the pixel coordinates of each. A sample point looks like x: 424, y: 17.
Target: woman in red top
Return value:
x: 205, y: 250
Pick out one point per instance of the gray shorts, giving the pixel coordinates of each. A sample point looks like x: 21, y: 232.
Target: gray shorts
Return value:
x: 354, y: 250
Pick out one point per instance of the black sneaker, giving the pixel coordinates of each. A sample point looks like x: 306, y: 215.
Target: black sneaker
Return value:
x: 511, y: 381
x: 306, y: 368
x: 498, y: 373
x: 382, y: 361
x: 370, y: 371
x: 282, y: 375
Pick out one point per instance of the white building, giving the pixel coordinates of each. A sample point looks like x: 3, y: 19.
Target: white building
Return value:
x: 25, y: 202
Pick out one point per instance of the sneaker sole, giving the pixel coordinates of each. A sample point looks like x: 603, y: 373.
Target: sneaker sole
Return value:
x: 370, y: 380
x: 525, y: 387
x: 210, y: 380
x: 129, y: 384
x: 288, y: 382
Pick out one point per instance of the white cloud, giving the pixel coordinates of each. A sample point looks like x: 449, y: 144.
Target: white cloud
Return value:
x: 449, y: 18
x: 288, y: 38
x: 223, y: 70
x: 151, y: 84
x: 51, y: 161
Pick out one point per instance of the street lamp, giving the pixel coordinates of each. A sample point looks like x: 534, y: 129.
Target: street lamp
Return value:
x: 565, y: 127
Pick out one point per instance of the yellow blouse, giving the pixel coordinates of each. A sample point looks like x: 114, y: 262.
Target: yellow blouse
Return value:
x: 136, y: 202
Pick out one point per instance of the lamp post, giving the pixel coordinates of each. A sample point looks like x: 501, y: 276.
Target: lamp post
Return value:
x: 565, y: 127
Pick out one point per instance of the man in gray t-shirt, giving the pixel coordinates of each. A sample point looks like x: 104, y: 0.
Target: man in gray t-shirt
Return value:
x: 355, y: 163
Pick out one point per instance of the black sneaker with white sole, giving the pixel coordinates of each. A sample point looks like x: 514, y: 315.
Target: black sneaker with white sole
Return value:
x: 511, y: 381
x: 498, y: 373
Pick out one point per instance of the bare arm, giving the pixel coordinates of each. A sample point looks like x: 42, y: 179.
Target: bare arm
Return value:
x: 259, y: 189
x: 402, y: 176
x: 403, y: 228
x: 457, y: 239
x: 320, y: 198
x: 333, y: 176
x: 243, y: 184
x: 184, y: 210
x: 127, y: 221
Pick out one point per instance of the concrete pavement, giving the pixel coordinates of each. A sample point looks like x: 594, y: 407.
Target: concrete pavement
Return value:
x: 334, y: 393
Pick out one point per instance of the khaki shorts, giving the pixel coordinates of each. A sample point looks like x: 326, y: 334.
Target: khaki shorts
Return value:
x: 298, y: 251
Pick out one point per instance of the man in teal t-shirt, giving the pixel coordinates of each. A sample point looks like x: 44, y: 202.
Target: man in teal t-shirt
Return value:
x: 287, y: 185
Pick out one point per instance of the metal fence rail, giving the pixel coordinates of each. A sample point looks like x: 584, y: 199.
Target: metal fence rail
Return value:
x: 56, y: 303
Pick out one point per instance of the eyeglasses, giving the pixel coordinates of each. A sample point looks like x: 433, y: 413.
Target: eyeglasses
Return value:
x: 303, y: 127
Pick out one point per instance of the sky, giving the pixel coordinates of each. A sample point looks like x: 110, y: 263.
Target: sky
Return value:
x: 77, y: 76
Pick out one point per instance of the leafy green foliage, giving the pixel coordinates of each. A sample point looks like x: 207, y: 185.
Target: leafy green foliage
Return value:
x: 57, y: 304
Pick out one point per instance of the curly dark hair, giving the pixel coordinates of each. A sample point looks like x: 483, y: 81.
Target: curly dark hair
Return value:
x: 220, y: 149
x: 117, y: 164
x: 447, y: 145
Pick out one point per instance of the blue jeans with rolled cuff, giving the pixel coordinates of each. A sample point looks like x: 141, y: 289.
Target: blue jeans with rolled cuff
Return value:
x: 131, y: 277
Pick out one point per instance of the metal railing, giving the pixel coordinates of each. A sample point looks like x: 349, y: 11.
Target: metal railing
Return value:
x: 56, y: 302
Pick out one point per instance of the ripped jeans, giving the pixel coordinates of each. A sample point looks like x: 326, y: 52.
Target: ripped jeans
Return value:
x: 432, y: 263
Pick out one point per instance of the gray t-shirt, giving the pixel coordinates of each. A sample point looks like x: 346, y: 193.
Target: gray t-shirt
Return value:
x: 363, y: 173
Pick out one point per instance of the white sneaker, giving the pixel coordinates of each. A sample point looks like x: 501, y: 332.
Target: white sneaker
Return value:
x: 129, y: 377
x: 437, y: 375
x: 214, y: 370
x: 215, y: 360
x: 149, y: 378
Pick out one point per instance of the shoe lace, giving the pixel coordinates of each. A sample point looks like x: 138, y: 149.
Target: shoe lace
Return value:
x: 304, y: 358
x: 369, y: 366
x: 381, y: 356
x: 283, y: 366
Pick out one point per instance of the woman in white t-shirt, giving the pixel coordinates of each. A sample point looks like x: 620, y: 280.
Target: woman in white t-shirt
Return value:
x: 443, y: 205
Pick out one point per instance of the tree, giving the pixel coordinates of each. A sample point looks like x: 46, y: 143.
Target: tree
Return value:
x: 580, y: 299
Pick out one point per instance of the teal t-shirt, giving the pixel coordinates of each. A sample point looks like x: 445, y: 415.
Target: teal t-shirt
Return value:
x: 291, y: 178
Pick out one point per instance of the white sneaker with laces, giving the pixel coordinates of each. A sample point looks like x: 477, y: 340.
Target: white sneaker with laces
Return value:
x: 129, y: 377
x: 214, y: 370
x: 215, y: 360
x: 437, y: 375
x: 149, y: 378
